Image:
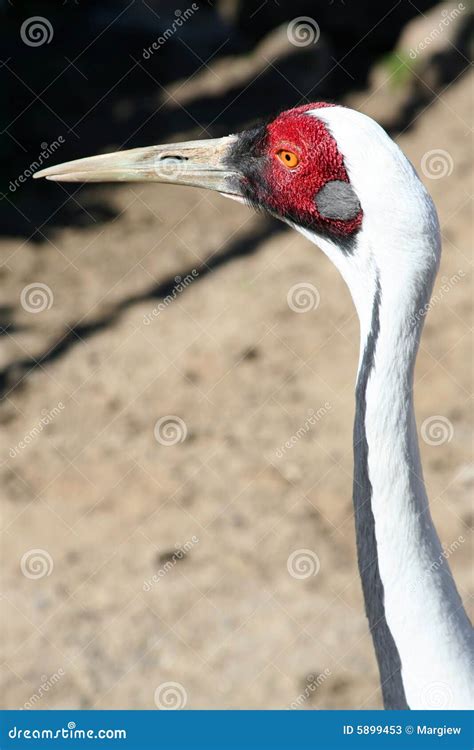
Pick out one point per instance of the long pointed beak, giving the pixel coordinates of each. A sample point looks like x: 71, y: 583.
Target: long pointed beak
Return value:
x: 196, y: 163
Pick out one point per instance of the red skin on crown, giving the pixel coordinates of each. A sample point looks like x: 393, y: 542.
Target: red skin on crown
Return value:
x: 292, y: 192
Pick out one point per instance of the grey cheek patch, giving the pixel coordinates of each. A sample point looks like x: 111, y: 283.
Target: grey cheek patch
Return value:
x: 337, y: 200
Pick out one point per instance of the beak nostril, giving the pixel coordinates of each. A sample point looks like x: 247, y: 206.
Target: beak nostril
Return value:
x: 173, y: 158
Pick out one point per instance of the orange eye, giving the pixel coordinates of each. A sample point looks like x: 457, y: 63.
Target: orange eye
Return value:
x: 288, y: 158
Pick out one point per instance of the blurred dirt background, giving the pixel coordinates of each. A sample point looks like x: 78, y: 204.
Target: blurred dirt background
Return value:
x: 104, y: 502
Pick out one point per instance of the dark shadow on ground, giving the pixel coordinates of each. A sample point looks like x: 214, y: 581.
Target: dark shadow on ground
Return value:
x: 16, y: 373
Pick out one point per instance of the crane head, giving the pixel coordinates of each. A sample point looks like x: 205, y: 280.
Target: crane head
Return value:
x: 290, y: 166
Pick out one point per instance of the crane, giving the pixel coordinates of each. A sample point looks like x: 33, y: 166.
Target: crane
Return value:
x: 335, y: 176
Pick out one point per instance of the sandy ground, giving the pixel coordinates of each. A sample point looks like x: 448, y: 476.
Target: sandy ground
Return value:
x: 107, y: 504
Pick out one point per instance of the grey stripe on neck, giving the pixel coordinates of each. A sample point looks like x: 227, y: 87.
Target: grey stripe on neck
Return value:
x: 386, y: 651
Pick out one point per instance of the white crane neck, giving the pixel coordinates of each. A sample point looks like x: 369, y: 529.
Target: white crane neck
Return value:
x: 422, y: 608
